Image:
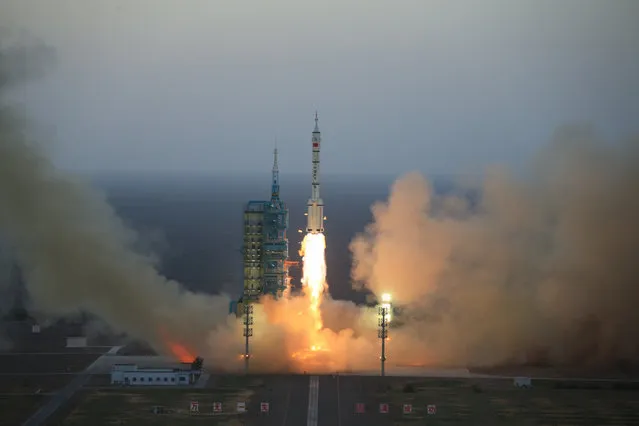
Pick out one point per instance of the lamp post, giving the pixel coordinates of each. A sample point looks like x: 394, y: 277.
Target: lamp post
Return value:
x: 384, y: 318
x: 248, y: 332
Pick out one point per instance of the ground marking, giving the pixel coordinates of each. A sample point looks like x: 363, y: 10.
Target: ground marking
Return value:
x: 339, y: 416
x: 313, y: 394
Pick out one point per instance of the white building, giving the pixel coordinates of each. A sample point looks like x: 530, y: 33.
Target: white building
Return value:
x: 131, y: 375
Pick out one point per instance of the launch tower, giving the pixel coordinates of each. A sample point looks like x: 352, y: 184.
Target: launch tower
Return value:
x: 265, y: 246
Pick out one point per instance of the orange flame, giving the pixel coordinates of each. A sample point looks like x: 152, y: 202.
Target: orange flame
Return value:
x: 314, y: 282
x: 179, y: 351
x: 314, y: 273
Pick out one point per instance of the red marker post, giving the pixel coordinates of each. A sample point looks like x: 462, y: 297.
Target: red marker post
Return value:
x: 194, y: 407
x: 431, y: 409
x: 407, y: 408
x: 217, y: 407
x: 383, y: 408
x: 264, y: 407
x: 360, y: 408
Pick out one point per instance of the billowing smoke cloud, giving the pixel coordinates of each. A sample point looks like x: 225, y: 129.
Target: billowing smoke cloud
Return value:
x: 541, y: 264
x: 77, y: 256
x: 74, y: 252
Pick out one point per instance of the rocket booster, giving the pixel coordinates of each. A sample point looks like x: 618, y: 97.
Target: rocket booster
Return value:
x: 315, y: 205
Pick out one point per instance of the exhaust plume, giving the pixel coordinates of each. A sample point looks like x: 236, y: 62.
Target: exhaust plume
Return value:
x: 541, y: 267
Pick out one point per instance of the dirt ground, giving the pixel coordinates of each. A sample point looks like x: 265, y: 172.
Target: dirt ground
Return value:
x: 457, y: 401
x: 556, y: 372
x: 133, y: 406
x: 36, y: 364
x: 488, y: 402
x: 16, y: 409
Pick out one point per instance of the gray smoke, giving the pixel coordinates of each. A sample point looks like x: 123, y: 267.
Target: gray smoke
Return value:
x: 542, y: 266
x: 74, y: 252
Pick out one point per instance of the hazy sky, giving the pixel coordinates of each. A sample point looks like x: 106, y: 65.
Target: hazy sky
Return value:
x: 438, y: 86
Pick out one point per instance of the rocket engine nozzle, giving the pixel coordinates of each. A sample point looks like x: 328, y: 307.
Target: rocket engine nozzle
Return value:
x: 315, y: 216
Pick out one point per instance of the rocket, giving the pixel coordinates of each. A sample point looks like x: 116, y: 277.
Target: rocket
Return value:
x: 315, y: 205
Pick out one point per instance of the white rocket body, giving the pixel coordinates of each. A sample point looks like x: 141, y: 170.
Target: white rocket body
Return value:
x: 315, y: 205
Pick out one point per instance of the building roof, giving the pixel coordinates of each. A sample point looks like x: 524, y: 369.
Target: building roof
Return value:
x: 135, y: 368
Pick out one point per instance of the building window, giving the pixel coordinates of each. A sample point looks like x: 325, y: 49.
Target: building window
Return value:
x: 165, y: 379
x: 172, y: 379
x: 183, y: 379
x: 135, y: 379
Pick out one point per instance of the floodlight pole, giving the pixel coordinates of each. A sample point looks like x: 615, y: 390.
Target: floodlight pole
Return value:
x: 248, y: 332
x: 382, y: 333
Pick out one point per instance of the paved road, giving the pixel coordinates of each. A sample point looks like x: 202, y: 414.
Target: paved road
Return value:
x: 288, y: 398
x: 317, y: 401
x: 339, y: 396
